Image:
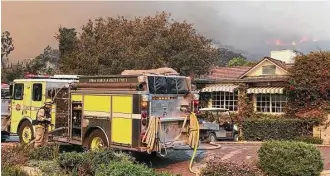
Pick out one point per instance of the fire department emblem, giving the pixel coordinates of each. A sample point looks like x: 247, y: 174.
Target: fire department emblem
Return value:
x: 18, y: 107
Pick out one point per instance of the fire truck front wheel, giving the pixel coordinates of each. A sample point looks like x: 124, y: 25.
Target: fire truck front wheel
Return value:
x: 97, y: 140
x: 25, y: 132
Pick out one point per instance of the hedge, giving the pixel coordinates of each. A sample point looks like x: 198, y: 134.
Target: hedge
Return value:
x: 276, y: 129
x: 284, y: 158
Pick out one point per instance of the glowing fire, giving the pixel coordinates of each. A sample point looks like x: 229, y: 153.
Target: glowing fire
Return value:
x: 278, y: 42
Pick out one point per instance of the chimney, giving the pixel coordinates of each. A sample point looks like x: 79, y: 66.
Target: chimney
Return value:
x: 286, y: 56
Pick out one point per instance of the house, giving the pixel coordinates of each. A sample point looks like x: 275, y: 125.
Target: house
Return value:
x: 264, y: 84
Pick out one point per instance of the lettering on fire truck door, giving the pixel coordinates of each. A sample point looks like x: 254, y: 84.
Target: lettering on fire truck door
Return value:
x: 121, y: 124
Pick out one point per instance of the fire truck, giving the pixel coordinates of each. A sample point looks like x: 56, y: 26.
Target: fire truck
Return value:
x: 117, y: 111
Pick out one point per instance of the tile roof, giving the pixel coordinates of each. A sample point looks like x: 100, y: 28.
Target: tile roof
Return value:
x: 277, y: 62
x: 227, y: 72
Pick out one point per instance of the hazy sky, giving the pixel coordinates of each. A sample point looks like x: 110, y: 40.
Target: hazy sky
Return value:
x: 244, y: 25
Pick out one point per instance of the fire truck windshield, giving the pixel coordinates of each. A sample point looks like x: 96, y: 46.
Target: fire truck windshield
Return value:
x: 167, y: 85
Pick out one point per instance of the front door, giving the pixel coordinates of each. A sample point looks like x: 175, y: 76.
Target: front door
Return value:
x: 17, y: 106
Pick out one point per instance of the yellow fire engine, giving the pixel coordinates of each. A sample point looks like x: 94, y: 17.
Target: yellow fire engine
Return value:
x: 139, y: 112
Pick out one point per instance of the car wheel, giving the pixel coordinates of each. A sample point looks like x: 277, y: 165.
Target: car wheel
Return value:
x: 26, y: 133
x: 97, y: 140
x: 212, y: 137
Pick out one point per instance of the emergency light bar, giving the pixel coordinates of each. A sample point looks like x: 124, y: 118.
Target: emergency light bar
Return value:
x: 32, y: 76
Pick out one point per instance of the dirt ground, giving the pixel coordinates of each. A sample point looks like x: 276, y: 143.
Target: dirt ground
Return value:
x: 177, y: 161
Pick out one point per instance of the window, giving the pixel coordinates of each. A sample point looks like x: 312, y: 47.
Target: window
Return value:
x: 225, y: 100
x: 273, y: 103
x: 37, y: 92
x: 268, y: 70
x: 18, y: 91
x: 4, y: 93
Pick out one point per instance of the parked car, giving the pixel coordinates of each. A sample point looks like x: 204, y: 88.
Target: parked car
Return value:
x: 5, y: 112
x: 217, y: 124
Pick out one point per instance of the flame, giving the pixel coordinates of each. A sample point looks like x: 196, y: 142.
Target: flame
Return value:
x: 278, y: 42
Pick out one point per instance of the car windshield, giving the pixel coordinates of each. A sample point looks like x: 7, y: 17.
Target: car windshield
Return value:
x: 167, y: 85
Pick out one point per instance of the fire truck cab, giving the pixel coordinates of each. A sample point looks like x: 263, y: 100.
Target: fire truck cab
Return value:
x: 27, y: 96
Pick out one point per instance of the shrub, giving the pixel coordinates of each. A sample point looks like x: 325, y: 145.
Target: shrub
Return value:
x: 309, y: 139
x: 50, y: 167
x: 276, y: 129
x: 15, y: 155
x: 285, y: 158
x: 107, y: 156
x: 48, y: 152
x: 126, y: 168
x: 71, y: 160
x: 12, y: 171
x: 216, y: 167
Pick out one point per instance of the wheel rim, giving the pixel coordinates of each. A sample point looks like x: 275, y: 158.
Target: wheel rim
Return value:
x: 212, y: 138
x: 27, y: 135
x: 97, y: 144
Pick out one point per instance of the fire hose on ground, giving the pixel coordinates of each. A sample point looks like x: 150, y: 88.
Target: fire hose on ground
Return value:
x: 154, y: 144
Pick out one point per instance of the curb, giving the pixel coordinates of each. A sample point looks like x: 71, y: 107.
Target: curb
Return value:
x: 259, y: 143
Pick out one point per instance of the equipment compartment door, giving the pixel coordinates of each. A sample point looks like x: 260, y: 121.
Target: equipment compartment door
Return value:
x: 121, y: 126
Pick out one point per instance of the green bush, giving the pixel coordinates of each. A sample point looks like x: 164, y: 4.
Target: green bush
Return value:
x: 276, y: 129
x: 283, y: 158
x: 309, y: 139
x: 124, y: 168
x: 12, y: 171
x: 71, y: 160
x: 216, y: 167
x: 107, y: 156
x: 48, y: 152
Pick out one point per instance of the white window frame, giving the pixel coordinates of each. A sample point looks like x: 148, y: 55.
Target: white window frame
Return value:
x: 221, y: 99
x: 274, y: 103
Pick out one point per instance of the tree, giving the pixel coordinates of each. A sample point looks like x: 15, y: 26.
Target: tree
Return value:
x: 225, y: 55
x: 239, y: 61
x: 7, y: 46
x: 14, y: 72
x: 68, y: 43
x: 309, y: 85
x: 45, y: 63
x: 111, y: 45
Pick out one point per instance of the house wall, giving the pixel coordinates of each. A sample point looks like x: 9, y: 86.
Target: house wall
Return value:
x: 323, y: 132
x: 257, y: 71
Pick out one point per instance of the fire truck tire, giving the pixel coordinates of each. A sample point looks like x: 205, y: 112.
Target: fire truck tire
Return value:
x: 26, y: 133
x: 96, y: 140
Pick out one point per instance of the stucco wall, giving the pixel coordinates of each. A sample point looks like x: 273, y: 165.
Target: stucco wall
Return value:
x: 257, y: 71
x: 323, y: 132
